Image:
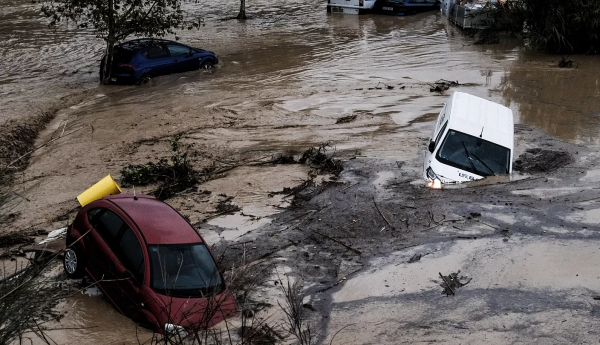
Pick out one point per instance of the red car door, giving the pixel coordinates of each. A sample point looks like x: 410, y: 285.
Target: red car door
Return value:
x: 103, y: 263
x: 131, y: 270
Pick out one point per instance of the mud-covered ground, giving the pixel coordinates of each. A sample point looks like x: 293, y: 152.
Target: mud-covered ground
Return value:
x: 294, y: 78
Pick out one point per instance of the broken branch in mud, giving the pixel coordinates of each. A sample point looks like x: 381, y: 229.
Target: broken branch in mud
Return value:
x: 350, y: 186
x: 339, y: 242
x: 453, y: 283
x: 390, y: 224
x: 447, y: 284
x: 9, y: 165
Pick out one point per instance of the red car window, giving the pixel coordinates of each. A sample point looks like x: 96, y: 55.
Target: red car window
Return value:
x: 131, y: 255
x: 108, y: 225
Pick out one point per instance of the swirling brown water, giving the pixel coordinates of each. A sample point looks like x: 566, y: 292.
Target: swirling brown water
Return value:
x: 292, y: 56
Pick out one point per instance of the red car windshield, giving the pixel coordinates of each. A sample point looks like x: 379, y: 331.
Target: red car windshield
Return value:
x: 183, y: 270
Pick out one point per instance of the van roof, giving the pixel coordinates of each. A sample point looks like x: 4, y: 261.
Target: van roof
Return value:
x: 471, y: 114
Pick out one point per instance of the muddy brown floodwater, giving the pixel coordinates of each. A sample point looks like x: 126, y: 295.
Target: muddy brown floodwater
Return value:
x: 286, y: 76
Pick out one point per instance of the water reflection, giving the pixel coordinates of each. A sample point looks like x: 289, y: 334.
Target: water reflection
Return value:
x: 563, y: 102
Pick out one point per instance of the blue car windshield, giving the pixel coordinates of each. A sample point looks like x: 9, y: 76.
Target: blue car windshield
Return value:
x: 183, y: 270
x: 474, y: 154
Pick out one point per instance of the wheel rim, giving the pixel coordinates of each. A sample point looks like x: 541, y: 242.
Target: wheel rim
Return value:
x: 207, y: 66
x: 70, y: 261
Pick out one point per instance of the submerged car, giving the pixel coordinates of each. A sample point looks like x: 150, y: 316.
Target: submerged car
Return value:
x: 139, y: 60
x: 149, y: 262
x: 473, y: 138
x: 402, y: 7
x: 350, y: 6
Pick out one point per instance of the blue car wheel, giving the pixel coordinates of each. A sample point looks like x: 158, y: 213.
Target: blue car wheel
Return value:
x: 207, y: 64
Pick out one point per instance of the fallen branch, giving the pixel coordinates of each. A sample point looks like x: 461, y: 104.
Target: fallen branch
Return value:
x: 37, y: 148
x: 340, y: 242
x: 390, y: 224
x: 446, y: 282
x: 352, y: 185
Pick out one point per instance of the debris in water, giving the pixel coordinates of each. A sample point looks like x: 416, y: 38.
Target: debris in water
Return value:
x: 346, y: 119
x: 452, y: 282
x: 564, y: 63
x: 442, y: 85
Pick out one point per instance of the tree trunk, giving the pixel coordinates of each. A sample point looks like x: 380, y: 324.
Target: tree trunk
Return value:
x: 107, y: 61
x: 110, y: 45
x: 242, y: 14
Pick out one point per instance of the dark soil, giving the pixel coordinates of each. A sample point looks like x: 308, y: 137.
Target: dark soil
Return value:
x: 13, y: 239
x: 542, y: 161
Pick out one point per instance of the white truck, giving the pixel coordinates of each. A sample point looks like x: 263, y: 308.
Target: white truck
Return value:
x: 473, y: 138
x: 350, y: 6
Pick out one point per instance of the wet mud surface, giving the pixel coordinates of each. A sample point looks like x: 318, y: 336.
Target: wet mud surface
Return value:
x: 293, y: 78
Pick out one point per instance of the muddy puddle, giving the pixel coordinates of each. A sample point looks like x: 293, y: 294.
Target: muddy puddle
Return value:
x: 286, y: 78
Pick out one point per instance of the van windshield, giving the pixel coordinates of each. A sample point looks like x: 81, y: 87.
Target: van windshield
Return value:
x: 183, y: 270
x: 474, y: 154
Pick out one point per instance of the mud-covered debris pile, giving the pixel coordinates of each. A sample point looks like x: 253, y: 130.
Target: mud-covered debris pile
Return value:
x: 13, y: 239
x: 540, y: 160
x: 452, y: 282
x: 442, y: 85
x: 321, y: 161
x: 346, y: 119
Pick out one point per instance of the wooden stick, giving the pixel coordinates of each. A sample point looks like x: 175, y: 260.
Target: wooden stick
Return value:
x: 352, y: 185
x: 446, y: 282
x: 37, y: 148
x: 390, y: 224
x: 340, y: 242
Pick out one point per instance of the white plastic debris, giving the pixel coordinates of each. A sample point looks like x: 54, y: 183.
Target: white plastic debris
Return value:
x: 55, y: 235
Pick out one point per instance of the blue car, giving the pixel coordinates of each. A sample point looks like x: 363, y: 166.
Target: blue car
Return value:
x: 140, y: 60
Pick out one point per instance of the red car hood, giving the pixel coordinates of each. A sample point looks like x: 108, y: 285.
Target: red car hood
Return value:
x: 195, y: 313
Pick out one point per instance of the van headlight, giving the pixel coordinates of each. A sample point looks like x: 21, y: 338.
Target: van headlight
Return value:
x: 434, y: 181
x: 175, y: 330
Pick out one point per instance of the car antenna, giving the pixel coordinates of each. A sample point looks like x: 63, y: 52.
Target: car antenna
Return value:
x: 134, y: 197
x: 480, y: 135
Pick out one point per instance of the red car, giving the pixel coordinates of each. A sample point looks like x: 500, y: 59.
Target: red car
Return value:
x: 149, y: 262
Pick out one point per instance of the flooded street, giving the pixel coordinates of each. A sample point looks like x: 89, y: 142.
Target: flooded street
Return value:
x: 285, y: 79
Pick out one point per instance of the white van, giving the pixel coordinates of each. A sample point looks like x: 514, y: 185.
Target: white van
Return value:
x: 350, y: 6
x: 473, y: 138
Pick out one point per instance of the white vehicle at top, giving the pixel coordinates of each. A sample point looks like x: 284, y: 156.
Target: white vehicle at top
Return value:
x: 473, y: 138
x: 350, y: 6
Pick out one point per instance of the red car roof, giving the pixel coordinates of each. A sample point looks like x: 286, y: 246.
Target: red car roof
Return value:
x: 157, y: 221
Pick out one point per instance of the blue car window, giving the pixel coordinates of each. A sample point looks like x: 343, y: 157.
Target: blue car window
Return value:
x: 156, y: 52
x: 177, y: 50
